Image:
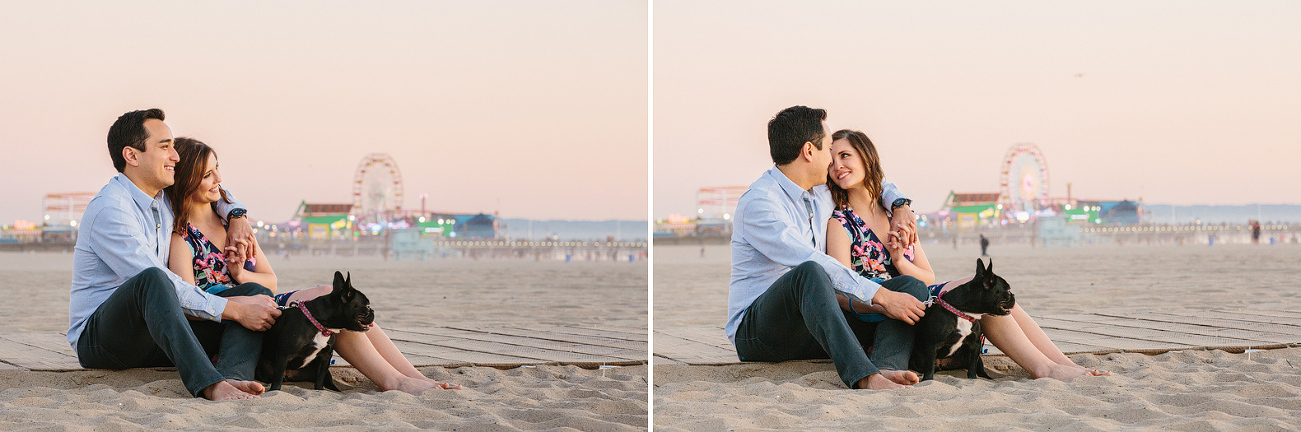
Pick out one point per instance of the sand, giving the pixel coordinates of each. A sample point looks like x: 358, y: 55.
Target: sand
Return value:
x: 1187, y: 390
x: 445, y: 292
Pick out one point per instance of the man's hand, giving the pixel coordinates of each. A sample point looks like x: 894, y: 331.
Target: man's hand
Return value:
x: 905, y: 223
x: 240, y: 232
x: 900, y: 306
x: 255, y: 313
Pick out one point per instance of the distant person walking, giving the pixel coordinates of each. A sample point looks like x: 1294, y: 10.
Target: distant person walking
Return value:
x: 1255, y: 232
x: 984, y: 246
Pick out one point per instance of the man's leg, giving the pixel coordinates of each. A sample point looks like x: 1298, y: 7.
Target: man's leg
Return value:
x: 142, y: 325
x: 237, y: 348
x: 799, y: 318
x: 893, y: 342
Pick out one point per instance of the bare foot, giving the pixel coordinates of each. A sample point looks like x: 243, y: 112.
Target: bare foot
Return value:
x: 905, y: 377
x: 1089, y: 372
x: 1058, y: 372
x: 223, y: 390
x: 437, y: 384
x: 250, y: 387
x: 415, y: 386
x: 878, y: 381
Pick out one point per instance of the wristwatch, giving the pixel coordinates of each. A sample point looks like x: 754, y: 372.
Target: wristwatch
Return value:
x: 900, y: 203
x: 239, y: 213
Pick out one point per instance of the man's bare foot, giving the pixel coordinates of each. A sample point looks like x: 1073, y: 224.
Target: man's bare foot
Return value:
x: 223, y: 390
x: 905, y: 377
x: 878, y: 381
x: 250, y: 387
x: 1058, y: 372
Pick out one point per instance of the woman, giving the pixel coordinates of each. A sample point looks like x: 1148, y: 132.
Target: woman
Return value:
x: 200, y: 256
x: 858, y: 236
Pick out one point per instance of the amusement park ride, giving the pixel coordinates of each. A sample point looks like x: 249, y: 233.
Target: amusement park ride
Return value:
x: 377, y: 189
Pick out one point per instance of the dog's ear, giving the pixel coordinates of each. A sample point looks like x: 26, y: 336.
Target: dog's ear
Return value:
x: 338, y: 281
x: 348, y: 281
x: 980, y: 268
x: 990, y: 267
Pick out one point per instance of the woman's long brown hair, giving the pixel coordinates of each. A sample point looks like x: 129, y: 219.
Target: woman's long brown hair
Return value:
x: 867, y: 153
x: 189, y: 174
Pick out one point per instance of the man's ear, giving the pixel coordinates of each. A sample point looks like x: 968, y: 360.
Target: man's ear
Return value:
x: 130, y: 155
x: 806, y: 152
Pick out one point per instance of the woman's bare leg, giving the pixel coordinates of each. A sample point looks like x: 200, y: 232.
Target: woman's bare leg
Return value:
x: 1040, y: 340
x: 390, y: 352
x: 376, y: 341
x: 1006, y: 334
x: 356, y: 348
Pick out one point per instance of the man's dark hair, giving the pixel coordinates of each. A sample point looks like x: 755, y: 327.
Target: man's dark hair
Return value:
x: 791, y: 128
x: 129, y: 130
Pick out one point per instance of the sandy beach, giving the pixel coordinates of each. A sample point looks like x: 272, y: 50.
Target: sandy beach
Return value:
x: 440, y: 292
x: 1185, y: 390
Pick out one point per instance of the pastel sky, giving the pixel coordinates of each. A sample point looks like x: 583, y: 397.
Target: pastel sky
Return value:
x: 1174, y: 102
x: 532, y: 109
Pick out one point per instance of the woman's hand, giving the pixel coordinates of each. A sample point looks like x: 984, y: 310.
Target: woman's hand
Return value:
x: 235, y: 256
x: 894, y: 243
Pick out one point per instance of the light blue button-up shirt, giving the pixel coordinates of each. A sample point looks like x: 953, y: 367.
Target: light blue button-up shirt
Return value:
x: 779, y: 226
x: 123, y: 232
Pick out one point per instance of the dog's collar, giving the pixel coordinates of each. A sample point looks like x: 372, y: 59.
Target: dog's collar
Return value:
x: 302, y: 306
x: 940, y: 301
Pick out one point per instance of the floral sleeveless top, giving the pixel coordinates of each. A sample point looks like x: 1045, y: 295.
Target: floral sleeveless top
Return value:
x: 210, y: 272
x: 869, y: 255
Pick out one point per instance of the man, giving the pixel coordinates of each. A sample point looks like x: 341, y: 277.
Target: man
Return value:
x: 126, y: 310
x: 788, y: 299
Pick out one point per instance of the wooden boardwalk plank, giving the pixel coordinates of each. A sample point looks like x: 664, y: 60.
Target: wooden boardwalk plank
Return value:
x: 1149, y: 336
x: 49, y: 341
x: 585, y: 339
x: 706, y: 335
x: 666, y: 361
x: 552, y: 342
x: 637, y: 335
x: 444, y: 356
x: 523, y: 352
x: 692, y: 352
x: 32, y: 358
x: 1230, y: 320
x: 1106, y: 342
x: 1243, y: 337
x: 1275, y: 316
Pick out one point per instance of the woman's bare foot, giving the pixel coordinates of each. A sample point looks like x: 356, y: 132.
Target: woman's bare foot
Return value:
x: 446, y: 386
x: 879, y: 381
x: 224, y: 390
x: 1058, y: 372
x: 415, y: 386
x: 1089, y: 372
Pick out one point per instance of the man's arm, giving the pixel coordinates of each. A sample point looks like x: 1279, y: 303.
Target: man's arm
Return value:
x: 117, y: 238
x: 239, y: 232
x: 903, y: 221
x: 773, y: 237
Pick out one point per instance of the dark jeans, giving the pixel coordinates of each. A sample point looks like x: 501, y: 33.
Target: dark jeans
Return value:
x: 142, y: 325
x: 798, y: 318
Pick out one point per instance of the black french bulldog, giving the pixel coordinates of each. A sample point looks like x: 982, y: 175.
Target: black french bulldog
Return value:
x: 942, y: 334
x: 296, y: 343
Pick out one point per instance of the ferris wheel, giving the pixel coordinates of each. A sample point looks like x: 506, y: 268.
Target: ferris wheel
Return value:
x: 377, y: 186
x: 1024, y: 182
